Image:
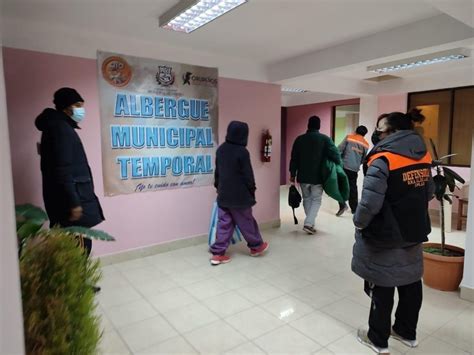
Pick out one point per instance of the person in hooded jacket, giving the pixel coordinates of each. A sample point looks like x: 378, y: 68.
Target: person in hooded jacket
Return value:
x: 68, y: 187
x: 235, y: 184
x: 391, y: 223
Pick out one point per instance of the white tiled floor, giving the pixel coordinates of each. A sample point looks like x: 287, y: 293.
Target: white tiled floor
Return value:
x: 300, y: 298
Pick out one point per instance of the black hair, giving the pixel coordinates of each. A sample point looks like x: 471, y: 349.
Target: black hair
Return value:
x: 397, y: 121
x: 362, y: 130
x: 314, y: 122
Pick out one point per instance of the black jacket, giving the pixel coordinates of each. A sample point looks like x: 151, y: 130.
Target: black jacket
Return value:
x: 67, y: 178
x: 393, y: 212
x: 234, y: 179
x: 310, y: 151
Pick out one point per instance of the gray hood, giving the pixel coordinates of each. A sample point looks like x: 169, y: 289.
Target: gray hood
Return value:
x: 407, y: 143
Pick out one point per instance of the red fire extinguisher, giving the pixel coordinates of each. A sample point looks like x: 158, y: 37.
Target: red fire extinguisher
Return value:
x: 267, y: 147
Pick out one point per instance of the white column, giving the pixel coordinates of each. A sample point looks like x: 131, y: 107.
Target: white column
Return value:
x: 367, y: 117
x: 11, y: 319
x: 467, y: 284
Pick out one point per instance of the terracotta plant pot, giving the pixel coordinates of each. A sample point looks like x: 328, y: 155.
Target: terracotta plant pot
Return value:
x: 443, y: 272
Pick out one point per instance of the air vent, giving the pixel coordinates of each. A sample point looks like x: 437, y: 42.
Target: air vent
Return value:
x: 383, y: 78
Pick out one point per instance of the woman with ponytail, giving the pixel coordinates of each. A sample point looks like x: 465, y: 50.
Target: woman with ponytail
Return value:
x: 391, y: 223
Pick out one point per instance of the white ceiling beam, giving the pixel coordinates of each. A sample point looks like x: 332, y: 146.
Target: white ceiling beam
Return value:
x: 435, y: 31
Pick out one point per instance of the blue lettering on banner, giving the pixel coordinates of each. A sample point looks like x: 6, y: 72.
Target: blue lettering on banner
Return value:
x: 123, y: 161
x: 162, y: 166
x: 145, y: 106
x: 121, y: 105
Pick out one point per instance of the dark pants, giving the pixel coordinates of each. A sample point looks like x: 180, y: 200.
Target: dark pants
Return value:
x: 353, y: 195
x: 406, y: 316
x: 84, y: 243
x: 228, y: 219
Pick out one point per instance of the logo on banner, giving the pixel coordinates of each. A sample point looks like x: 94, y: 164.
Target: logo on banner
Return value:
x: 187, y: 78
x: 190, y: 79
x: 116, y: 71
x: 165, y: 76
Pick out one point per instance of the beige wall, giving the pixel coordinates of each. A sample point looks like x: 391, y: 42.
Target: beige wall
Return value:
x: 11, y: 320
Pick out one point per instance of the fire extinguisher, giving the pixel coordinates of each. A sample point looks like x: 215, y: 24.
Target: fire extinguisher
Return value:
x: 267, y: 147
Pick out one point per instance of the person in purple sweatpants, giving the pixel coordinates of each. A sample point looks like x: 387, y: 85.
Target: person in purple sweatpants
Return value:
x: 235, y: 184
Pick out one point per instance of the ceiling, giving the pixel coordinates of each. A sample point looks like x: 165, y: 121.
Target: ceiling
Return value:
x: 262, y: 30
x: 323, y: 46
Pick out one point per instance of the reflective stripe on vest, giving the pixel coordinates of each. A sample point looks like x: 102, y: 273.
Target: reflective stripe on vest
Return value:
x: 396, y: 161
x: 355, y: 138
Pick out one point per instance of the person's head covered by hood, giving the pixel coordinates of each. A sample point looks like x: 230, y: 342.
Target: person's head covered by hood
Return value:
x: 69, y: 101
x: 237, y: 133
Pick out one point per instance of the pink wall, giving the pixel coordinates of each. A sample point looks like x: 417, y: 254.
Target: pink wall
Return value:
x: 297, y: 121
x: 135, y: 220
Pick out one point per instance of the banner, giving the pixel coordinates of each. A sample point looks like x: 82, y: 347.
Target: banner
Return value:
x: 159, y: 124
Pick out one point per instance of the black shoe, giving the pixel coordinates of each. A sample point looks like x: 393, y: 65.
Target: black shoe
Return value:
x: 341, y: 211
x: 96, y: 289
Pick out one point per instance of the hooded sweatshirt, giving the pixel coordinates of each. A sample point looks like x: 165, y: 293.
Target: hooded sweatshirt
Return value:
x: 234, y: 178
x: 392, y: 216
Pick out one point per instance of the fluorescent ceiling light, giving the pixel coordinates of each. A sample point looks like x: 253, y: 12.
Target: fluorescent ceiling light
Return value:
x: 287, y: 89
x: 414, y: 62
x: 189, y: 15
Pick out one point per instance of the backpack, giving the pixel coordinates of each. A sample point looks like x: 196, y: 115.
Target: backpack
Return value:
x: 294, y: 200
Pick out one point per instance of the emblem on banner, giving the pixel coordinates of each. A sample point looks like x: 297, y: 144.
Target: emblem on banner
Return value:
x: 165, y: 75
x: 187, y: 78
x: 116, y: 71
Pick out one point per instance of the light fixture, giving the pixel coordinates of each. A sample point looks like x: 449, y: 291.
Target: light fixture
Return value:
x: 189, y: 15
x: 287, y: 89
x: 414, y: 62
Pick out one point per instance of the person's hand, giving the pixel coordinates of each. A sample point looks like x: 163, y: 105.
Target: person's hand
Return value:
x: 76, y: 214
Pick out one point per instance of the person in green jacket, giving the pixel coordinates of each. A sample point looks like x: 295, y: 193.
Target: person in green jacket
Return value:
x: 309, y: 153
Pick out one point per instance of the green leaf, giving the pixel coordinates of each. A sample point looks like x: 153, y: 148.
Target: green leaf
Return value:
x: 447, y: 198
x: 90, y: 233
x: 28, y: 229
x: 451, y: 182
x: 31, y: 214
x: 453, y: 174
x: 440, y: 186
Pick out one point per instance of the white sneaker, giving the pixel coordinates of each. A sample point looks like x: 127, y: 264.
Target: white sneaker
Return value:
x: 363, y: 338
x: 409, y: 343
x: 309, y: 230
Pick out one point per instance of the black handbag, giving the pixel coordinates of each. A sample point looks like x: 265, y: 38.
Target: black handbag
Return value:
x: 294, y: 200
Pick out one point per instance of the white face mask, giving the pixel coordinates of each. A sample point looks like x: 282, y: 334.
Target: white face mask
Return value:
x: 78, y: 114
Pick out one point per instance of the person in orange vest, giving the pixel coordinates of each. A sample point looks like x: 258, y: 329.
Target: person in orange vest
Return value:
x: 353, y: 150
x: 391, y: 223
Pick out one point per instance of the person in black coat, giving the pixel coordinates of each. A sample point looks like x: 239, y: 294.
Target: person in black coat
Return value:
x: 235, y: 184
x: 68, y: 188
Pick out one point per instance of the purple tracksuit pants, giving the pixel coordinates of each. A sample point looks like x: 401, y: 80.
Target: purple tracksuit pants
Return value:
x: 227, y: 220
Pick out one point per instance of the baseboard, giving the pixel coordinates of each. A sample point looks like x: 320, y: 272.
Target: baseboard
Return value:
x: 467, y: 293
x: 167, y: 246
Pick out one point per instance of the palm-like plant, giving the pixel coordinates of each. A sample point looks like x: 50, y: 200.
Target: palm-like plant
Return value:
x: 30, y: 220
x: 445, y: 180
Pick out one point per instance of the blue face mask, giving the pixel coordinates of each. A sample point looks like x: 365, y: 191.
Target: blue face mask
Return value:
x: 78, y: 114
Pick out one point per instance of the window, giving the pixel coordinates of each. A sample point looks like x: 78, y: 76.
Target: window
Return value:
x: 449, y: 121
x: 345, y: 121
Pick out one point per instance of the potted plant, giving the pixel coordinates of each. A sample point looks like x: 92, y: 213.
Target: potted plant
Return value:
x: 59, y: 311
x: 443, y: 263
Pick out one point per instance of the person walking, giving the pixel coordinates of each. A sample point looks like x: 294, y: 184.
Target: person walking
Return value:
x: 353, y: 150
x: 391, y: 223
x: 235, y: 184
x: 68, y: 187
x: 308, y: 155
